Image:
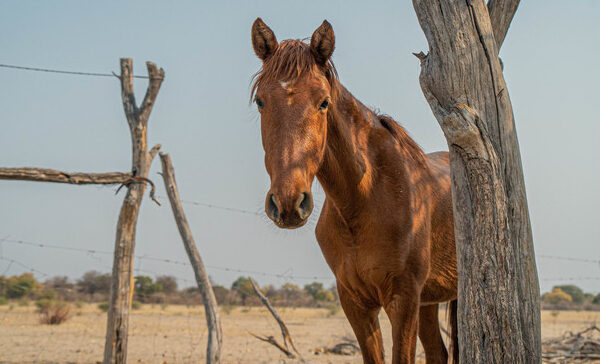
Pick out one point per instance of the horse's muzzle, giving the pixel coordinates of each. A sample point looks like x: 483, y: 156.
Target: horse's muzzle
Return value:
x: 289, y: 214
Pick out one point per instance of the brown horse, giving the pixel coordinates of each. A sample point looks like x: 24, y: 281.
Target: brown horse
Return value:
x: 386, y: 227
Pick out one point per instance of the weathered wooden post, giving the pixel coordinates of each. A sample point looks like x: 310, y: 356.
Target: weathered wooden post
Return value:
x: 213, y: 321
x: 462, y: 79
x: 121, y: 292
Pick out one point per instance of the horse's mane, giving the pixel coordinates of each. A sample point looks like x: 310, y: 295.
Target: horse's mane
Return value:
x: 292, y: 60
x: 412, y: 149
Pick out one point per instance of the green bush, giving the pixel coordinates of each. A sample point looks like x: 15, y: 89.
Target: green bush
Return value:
x: 575, y: 292
x: 103, y: 306
x: 3, y: 300
x: 323, y: 295
x: 79, y: 304
x: 43, y: 304
x: 48, y: 294
x: 145, y: 287
x: 243, y: 287
x: 23, y: 302
x: 21, y: 286
x: 557, y: 296
x: 136, y: 305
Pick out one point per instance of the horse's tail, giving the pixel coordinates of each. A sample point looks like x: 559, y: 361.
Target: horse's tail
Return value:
x: 453, y: 330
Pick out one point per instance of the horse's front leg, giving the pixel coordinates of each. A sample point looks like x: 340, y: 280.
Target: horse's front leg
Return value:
x: 403, y: 311
x: 365, y: 324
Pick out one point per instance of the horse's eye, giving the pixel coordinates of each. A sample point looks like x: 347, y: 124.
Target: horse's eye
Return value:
x: 259, y: 103
x: 324, y: 105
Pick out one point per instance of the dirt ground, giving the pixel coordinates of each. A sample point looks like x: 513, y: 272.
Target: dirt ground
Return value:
x: 177, y: 334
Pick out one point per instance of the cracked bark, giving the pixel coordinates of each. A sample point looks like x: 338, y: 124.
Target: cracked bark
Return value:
x: 461, y: 78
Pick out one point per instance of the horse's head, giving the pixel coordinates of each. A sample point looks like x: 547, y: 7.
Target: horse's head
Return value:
x: 293, y: 91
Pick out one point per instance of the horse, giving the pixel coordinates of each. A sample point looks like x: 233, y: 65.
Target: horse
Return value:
x: 386, y: 228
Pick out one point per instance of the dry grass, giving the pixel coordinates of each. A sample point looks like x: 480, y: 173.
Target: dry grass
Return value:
x: 177, y: 334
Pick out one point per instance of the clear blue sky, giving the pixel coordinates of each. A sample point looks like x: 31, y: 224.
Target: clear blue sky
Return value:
x: 203, y: 119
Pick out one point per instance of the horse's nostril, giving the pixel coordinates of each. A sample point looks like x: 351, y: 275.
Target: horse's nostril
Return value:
x: 273, y: 210
x: 305, y: 206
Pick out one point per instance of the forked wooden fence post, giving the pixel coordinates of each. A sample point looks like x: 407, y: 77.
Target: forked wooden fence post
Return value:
x: 121, y: 291
x: 215, y: 334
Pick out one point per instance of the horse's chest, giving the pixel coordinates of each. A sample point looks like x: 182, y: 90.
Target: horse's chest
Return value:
x: 367, y: 275
x: 367, y: 271
x: 368, y: 264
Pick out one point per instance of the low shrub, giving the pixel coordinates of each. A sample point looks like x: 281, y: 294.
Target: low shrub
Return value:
x: 103, y: 306
x: 53, y: 312
x: 3, y: 301
x: 332, y: 309
x: 136, y: 305
x: 226, y: 308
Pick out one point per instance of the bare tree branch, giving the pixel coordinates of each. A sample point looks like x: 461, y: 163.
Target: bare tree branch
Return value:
x: 501, y: 15
x: 156, y: 78
x: 127, y: 95
x: 285, y: 333
x: 271, y: 340
x: 52, y: 175
x: 153, y: 152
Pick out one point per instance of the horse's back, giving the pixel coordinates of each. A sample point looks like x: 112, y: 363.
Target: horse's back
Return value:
x: 439, y: 161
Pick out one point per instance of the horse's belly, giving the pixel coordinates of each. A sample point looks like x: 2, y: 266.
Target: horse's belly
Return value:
x: 438, y: 290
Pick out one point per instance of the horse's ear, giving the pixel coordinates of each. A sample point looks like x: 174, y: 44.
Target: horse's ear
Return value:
x: 263, y: 39
x: 322, y: 43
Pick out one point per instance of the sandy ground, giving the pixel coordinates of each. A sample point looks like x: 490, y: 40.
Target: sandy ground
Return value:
x: 177, y: 334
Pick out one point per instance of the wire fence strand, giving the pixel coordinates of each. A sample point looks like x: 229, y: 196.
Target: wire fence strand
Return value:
x: 287, y: 274
x: 77, y: 73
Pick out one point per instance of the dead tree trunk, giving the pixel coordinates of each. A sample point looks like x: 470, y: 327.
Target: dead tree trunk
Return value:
x: 461, y: 78
x: 215, y: 334
x: 121, y: 290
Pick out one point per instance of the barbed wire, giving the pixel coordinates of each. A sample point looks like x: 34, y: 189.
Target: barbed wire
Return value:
x: 285, y: 275
x: 58, y: 247
x: 31, y: 269
x: 571, y: 279
x: 77, y: 73
x: 557, y: 257
x: 220, y: 207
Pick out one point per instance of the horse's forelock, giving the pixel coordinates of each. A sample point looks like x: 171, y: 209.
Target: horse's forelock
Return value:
x: 292, y: 60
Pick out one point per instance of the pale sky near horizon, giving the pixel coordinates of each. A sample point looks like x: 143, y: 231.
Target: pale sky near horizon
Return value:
x: 203, y: 119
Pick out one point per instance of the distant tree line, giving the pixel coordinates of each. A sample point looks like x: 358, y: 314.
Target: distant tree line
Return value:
x: 94, y: 286
x: 570, y: 297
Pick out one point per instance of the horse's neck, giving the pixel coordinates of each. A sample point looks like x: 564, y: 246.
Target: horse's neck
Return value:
x: 361, y: 157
